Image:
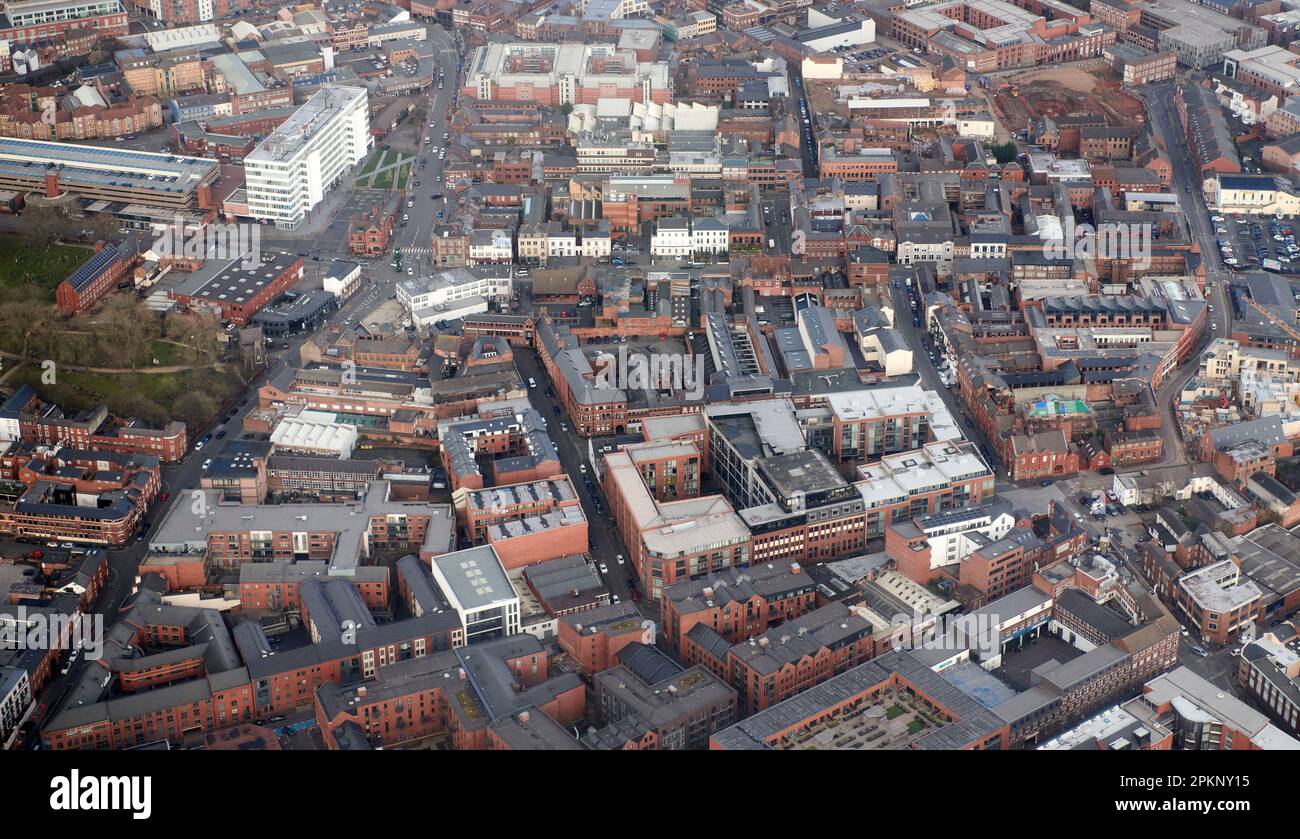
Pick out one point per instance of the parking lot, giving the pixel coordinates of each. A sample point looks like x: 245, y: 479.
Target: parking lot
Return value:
x: 1252, y: 242
x: 858, y: 56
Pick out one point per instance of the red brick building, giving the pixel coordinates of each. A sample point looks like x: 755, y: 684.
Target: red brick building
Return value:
x: 594, y: 637
x: 92, y: 281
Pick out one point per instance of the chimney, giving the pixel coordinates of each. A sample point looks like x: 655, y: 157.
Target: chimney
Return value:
x: 708, y: 591
x: 523, y: 718
x: 794, y: 568
x: 361, y: 690
x: 461, y: 672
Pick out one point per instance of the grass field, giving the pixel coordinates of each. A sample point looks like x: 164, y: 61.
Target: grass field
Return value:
x: 21, y: 263
x: 385, y: 169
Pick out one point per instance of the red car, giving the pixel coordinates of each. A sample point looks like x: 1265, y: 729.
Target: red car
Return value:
x: 164, y: 497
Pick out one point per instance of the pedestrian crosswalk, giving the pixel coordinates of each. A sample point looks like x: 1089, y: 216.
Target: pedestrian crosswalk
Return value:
x: 416, y: 251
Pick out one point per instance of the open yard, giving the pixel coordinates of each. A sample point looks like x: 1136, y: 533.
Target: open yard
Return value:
x: 892, y: 720
x: 22, y: 263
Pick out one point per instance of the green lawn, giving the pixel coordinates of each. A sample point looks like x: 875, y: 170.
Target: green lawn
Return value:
x: 21, y: 263
x: 403, y: 174
x: 372, y: 162
x: 167, y: 354
x: 398, y: 171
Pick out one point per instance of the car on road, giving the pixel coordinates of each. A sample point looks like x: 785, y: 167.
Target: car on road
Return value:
x: 207, y: 463
x: 1199, y: 650
x: 604, y: 569
x: 619, y: 558
x: 1045, y: 482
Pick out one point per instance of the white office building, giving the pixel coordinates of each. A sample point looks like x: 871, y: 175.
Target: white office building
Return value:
x: 454, y: 293
x: 672, y: 237
x: 291, y: 170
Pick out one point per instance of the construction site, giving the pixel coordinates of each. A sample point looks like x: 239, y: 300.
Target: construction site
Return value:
x: 1054, y: 92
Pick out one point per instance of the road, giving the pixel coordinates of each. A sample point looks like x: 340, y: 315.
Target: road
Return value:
x: 179, y: 479
x: 1187, y: 184
x: 605, y: 543
x: 918, y: 339
x: 808, y: 142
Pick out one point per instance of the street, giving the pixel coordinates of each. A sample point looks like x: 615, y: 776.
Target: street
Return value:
x: 605, y: 541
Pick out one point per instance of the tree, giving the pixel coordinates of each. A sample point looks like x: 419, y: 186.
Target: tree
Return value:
x: 125, y: 330
x: 104, y: 227
x: 1005, y: 152
x: 566, y: 108
x: 44, y: 224
x: 194, y: 408
x: 135, y: 404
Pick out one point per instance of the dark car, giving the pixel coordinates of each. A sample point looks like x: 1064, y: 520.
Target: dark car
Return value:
x: 1045, y: 483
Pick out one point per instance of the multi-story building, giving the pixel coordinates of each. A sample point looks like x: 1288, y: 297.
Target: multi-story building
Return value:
x: 593, y: 638
x: 1138, y: 66
x: 866, y: 425
x: 344, y: 535
x: 96, y: 430
x: 560, y: 74
x: 1270, y: 673
x: 166, y: 74
x: 1203, y: 718
x: 237, y: 289
x: 93, y: 280
x: 735, y: 603
x: 114, y: 175
x: 290, y: 171
x: 497, y: 697
x: 34, y: 21
x: 1218, y: 602
x: 650, y: 703
x: 68, y: 494
x: 671, y: 541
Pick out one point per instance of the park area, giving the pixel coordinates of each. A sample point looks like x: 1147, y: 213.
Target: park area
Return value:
x: 385, y: 169
x: 23, y: 263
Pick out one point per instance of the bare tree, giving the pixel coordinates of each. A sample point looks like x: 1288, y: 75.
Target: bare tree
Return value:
x: 104, y: 227
x: 193, y: 408
x: 44, y: 224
